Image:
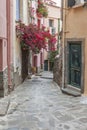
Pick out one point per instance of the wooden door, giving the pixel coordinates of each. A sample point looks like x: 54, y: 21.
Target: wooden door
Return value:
x: 75, y: 65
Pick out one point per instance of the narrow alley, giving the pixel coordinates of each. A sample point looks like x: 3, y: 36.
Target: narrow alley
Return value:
x: 39, y: 104
x: 43, y: 65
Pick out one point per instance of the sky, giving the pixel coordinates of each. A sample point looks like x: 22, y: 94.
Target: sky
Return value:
x: 58, y: 2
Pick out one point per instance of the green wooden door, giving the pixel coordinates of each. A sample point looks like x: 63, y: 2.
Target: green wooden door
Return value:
x: 75, y: 65
x: 46, y: 65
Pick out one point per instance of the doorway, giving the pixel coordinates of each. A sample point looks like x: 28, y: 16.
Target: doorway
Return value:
x: 46, y: 65
x: 25, y: 54
x: 74, y: 63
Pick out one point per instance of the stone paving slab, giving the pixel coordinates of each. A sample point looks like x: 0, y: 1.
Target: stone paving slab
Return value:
x: 47, y: 75
x: 39, y: 104
x: 4, y: 105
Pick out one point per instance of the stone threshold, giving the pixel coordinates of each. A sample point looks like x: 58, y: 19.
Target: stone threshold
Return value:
x: 44, y: 77
x: 71, y: 91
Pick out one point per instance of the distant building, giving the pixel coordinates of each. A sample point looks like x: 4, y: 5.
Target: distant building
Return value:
x: 36, y: 59
x: 53, y: 23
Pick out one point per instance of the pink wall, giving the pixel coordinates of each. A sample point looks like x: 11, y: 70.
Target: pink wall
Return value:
x: 38, y: 60
x: 4, y: 54
x: 3, y: 23
x: 11, y: 29
x: 9, y: 44
x: 1, y: 55
x: 3, y: 35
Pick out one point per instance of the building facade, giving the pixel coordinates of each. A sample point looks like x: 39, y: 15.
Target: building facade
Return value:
x: 37, y: 59
x: 14, y: 62
x: 20, y: 13
x: 53, y: 23
x: 11, y: 68
x: 74, y: 39
x: 6, y: 64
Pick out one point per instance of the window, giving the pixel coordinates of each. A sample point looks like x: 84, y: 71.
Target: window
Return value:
x: 51, y: 23
x: 17, y: 10
x: 53, y: 30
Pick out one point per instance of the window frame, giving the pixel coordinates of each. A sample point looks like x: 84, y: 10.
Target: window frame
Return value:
x: 51, y: 22
x: 17, y: 10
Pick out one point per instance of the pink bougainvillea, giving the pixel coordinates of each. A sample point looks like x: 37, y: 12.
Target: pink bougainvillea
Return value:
x: 34, y: 37
x: 32, y: 11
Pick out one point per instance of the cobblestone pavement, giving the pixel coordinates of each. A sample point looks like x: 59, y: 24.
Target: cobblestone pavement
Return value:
x: 38, y: 104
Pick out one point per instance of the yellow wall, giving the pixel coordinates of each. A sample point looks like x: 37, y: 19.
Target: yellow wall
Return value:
x: 75, y: 26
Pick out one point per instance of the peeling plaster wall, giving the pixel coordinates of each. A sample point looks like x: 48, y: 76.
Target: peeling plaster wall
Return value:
x: 3, y: 23
x: 16, y: 51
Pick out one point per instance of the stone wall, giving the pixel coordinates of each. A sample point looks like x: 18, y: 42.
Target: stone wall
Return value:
x: 57, y: 70
x: 3, y: 83
x: 17, y: 79
x: 5, y: 88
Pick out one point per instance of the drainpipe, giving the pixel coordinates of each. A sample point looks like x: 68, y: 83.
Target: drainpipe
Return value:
x: 8, y: 45
x: 63, y: 50
x: 58, y: 38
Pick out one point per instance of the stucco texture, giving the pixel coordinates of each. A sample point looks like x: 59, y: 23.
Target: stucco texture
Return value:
x: 75, y: 27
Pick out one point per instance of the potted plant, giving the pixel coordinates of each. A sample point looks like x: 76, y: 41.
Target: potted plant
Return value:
x: 42, y: 10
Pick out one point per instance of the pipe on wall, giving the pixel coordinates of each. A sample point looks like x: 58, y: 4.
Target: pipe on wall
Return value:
x: 8, y: 10
x: 63, y: 50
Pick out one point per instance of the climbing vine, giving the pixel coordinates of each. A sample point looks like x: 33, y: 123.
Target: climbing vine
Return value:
x: 34, y: 37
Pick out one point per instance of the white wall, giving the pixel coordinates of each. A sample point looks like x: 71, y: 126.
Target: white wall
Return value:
x: 25, y: 12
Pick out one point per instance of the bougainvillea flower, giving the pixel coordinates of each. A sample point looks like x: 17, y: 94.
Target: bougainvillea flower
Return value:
x: 34, y: 37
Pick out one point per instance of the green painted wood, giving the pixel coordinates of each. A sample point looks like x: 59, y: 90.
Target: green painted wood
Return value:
x: 75, y: 64
x: 46, y: 65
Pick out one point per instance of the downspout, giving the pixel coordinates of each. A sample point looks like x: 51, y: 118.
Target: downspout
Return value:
x: 58, y: 38
x: 8, y: 45
x: 63, y: 50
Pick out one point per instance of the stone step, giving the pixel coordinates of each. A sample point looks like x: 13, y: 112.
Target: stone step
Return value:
x: 71, y: 91
x: 46, y: 77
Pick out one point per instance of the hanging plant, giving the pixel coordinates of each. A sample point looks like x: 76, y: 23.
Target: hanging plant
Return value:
x: 32, y: 12
x: 42, y: 10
